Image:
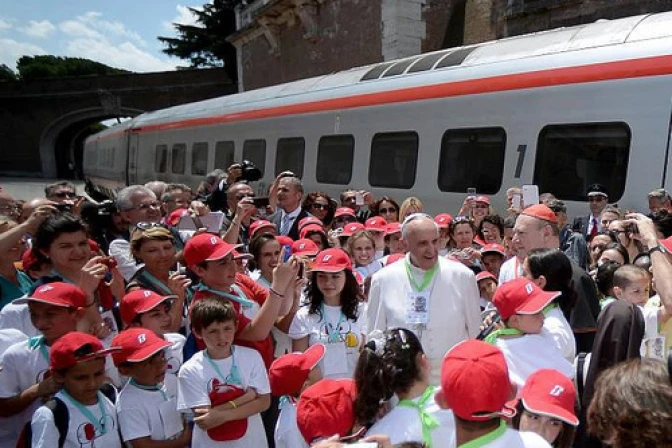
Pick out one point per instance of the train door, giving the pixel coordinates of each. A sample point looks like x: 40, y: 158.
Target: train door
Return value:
x: 132, y: 166
x: 667, y: 171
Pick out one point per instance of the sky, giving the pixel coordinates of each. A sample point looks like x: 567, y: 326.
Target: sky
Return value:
x: 119, y: 33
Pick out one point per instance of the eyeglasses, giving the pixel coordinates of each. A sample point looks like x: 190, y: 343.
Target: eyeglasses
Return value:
x: 243, y: 196
x: 144, y: 225
x: 65, y: 194
x: 461, y: 219
x: 147, y: 206
x: 317, y: 206
x: 385, y: 211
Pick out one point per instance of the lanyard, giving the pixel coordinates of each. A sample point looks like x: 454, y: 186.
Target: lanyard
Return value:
x: 241, y: 298
x: 548, y: 308
x: 38, y: 342
x: 426, y: 280
x: 234, y: 375
x: 428, y: 421
x: 486, y: 439
x: 492, y: 337
x: 331, y: 330
x: 285, y: 401
x: 98, y: 424
x: 156, y: 388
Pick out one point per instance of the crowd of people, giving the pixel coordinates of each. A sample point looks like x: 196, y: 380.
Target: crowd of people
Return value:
x: 304, y: 320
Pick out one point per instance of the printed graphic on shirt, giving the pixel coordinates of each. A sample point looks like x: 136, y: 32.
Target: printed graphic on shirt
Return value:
x: 87, y: 432
x: 330, y: 334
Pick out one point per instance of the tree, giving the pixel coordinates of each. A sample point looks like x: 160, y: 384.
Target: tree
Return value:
x: 39, y: 67
x: 6, y: 73
x: 204, y: 44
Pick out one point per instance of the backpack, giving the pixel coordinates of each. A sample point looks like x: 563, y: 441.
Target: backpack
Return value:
x: 61, y: 418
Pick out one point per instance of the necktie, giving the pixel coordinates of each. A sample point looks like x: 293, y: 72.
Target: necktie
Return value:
x: 286, y: 224
x: 593, y: 231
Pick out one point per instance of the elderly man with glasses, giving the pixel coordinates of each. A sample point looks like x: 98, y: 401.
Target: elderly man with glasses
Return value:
x: 435, y: 298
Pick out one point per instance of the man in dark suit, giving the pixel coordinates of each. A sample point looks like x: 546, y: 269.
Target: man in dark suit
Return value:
x: 589, y: 226
x: 289, y: 213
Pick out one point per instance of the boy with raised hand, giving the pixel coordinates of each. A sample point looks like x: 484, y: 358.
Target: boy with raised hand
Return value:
x: 77, y: 362
x: 475, y: 386
x: 143, y: 308
x: 55, y: 309
x: 289, y: 376
x: 211, y: 259
x: 146, y: 409
x: 521, y: 304
x: 225, y: 385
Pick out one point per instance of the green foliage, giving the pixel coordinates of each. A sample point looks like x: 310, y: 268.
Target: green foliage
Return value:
x: 204, y: 44
x: 6, y: 73
x: 39, y: 67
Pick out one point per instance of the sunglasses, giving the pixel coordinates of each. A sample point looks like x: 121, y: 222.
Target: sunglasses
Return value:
x: 320, y: 206
x: 144, y: 225
x: 243, y: 196
x: 387, y: 210
x: 65, y: 194
x: 480, y: 206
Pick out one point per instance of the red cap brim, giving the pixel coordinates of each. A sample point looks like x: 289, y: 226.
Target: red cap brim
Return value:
x: 328, y: 269
x: 223, y: 252
x: 549, y: 410
x: 26, y: 300
x: 313, y: 355
x: 538, y: 302
x: 148, y: 351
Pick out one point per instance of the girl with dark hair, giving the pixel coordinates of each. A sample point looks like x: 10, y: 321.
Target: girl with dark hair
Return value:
x: 13, y: 282
x: 63, y: 240
x: 614, y: 252
x: 462, y: 233
x: 491, y: 229
x: 395, y: 363
x: 387, y: 208
x: 551, y: 270
x: 547, y: 407
x: 320, y: 205
x: 604, y: 279
x: 332, y: 315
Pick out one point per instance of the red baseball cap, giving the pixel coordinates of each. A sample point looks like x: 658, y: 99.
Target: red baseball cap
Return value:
x: 521, y: 296
x: 311, y: 228
x: 57, y: 294
x: 176, y: 215
x: 284, y: 240
x: 289, y: 372
x: 394, y: 257
x: 138, y: 302
x: 483, y: 199
x: 392, y: 228
x: 260, y: 224
x: 332, y: 260
x: 206, y: 247
x: 310, y: 221
x: 29, y: 259
x: 137, y: 345
x: 344, y: 211
x: 242, y: 255
x: 540, y: 211
x: 305, y: 247
x: 550, y: 393
x: 376, y: 224
x: 667, y: 244
x: 443, y: 220
x: 326, y: 408
x: 493, y: 247
x: 76, y: 347
x: 352, y: 228
x: 475, y: 381
x: 485, y: 275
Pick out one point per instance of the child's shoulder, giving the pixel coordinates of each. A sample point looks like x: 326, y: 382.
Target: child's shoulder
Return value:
x: 22, y: 350
x: 246, y: 352
x: 194, y: 363
x: 176, y: 339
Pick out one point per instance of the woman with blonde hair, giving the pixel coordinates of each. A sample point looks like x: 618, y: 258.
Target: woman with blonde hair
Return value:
x: 409, y: 206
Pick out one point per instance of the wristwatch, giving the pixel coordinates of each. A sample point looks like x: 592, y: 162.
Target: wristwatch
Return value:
x: 657, y: 247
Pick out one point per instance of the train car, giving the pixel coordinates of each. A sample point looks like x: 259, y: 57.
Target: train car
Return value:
x: 561, y: 109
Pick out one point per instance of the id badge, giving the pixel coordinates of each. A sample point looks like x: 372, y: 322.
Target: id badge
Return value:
x: 655, y: 347
x: 335, y: 359
x: 417, y: 308
x: 171, y: 419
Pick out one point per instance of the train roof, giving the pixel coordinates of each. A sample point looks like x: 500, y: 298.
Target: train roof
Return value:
x: 513, y: 54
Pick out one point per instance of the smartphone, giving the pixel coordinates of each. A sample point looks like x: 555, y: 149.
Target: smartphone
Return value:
x: 359, y: 198
x: 288, y: 253
x: 517, y: 202
x: 261, y: 202
x: 530, y: 195
x: 63, y: 207
x: 471, y: 191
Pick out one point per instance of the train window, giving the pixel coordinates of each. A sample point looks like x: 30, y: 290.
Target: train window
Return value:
x: 394, y: 157
x: 255, y: 152
x: 335, y: 154
x: 179, y: 159
x: 570, y: 157
x: 289, y: 155
x: 225, y: 153
x: 161, y: 159
x: 199, y: 158
x: 481, y: 150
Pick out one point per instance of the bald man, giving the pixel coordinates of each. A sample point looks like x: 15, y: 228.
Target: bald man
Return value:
x: 432, y: 296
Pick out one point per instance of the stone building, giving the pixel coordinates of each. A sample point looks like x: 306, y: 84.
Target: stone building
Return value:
x: 284, y: 40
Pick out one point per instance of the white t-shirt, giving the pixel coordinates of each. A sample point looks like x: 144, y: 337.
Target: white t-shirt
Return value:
x: 510, y: 270
x: 10, y: 427
x: 18, y: 317
x: 402, y: 424
x: 81, y: 433
x: 283, y: 344
x: 195, y: 382
x: 528, y: 353
x: 174, y: 360
x: 505, y: 437
x: 557, y: 329
x: 343, y: 347
x: 287, y: 434
x: 9, y: 337
x: 148, y: 413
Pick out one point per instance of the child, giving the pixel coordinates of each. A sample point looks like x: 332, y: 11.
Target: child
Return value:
x: 225, y: 385
x: 77, y: 362
x: 475, y: 386
x: 520, y: 304
x: 147, y: 411
x: 493, y: 257
x: 55, y: 309
x: 289, y: 376
x: 362, y: 249
x: 631, y: 283
x: 487, y: 285
x: 326, y: 409
x: 143, y: 308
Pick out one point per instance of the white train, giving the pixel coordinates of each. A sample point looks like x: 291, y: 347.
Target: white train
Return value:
x: 561, y: 109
